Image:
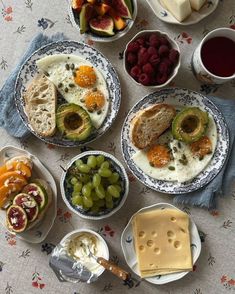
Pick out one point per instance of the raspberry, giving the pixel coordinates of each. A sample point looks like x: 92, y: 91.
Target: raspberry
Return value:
x: 152, y: 50
x: 174, y: 56
x: 161, y: 79
x: 144, y: 79
x: 163, y: 50
x: 154, y: 60
x: 148, y: 69
x: 167, y: 61
x: 164, y: 41
x: 154, y: 40
x: 135, y: 71
x: 133, y: 47
x: 143, y: 58
x: 141, y: 41
x: 163, y: 68
x: 131, y: 58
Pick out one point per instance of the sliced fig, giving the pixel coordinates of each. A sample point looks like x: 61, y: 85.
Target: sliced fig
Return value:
x: 87, y: 12
x: 29, y: 204
x: 123, y: 8
x: 38, y: 193
x: 16, y: 219
x: 102, y: 26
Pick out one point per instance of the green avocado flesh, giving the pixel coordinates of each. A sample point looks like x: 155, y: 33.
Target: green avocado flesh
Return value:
x: 73, y: 122
x: 190, y: 124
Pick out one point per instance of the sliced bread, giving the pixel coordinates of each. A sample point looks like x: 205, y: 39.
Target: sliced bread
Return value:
x: 150, y: 123
x: 40, y: 106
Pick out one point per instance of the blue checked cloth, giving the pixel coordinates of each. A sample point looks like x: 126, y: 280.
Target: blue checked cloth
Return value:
x: 9, y: 117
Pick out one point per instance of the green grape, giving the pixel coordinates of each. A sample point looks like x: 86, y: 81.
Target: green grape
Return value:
x: 77, y: 200
x: 75, y: 193
x: 77, y: 187
x: 84, y: 178
x: 113, y: 178
x: 74, y: 180
x: 90, y: 184
x: 105, y: 164
x: 100, y: 203
x: 91, y: 161
x: 86, y: 190
x: 113, y: 191
x: 94, y: 196
x: 99, y: 159
x: 96, y: 180
x: 100, y: 192
x: 84, y: 168
x: 104, y: 172
x: 108, y: 196
x: 118, y: 187
x: 109, y: 204
x: 95, y: 208
x: 78, y: 162
x: 87, y: 202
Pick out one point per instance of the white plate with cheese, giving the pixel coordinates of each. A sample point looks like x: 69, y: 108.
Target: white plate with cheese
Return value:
x: 191, y: 18
x: 129, y: 251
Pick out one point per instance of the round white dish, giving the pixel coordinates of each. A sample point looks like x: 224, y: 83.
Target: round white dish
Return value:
x: 174, y: 46
x: 128, y: 248
x: 66, y: 192
x: 185, y: 98
x: 29, y: 70
x: 75, y: 233
x: 195, y: 17
x: 102, y: 39
x: 38, y: 233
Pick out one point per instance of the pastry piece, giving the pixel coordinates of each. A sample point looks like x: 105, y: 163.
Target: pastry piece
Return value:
x: 181, y: 9
x: 162, y: 242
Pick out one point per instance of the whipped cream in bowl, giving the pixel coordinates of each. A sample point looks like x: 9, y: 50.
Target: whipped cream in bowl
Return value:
x: 79, y: 243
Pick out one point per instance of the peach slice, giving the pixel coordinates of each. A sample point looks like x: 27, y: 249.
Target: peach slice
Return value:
x: 12, y: 177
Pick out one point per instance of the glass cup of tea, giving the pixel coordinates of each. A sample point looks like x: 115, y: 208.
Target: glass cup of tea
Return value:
x: 213, y: 61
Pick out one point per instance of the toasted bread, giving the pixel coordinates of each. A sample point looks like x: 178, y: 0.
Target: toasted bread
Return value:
x: 150, y: 123
x: 40, y: 105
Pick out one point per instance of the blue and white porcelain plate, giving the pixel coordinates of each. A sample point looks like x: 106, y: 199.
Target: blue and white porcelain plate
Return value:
x: 196, y: 16
x: 178, y: 98
x: 128, y: 247
x: 29, y: 70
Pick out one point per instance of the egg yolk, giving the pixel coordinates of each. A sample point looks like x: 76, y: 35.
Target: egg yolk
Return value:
x: 85, y: 76
x: 201, y: 147
x: 158, y: 155
x: 94, y: 100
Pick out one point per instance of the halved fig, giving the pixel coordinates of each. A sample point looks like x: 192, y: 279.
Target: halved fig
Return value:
x: 29, y: 204
x: 16, y: 219
x: 38, y: 193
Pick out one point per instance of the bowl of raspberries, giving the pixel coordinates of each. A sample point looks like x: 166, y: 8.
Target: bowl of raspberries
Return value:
x: 152, y: 59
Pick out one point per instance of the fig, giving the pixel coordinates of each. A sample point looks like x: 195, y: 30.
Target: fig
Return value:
x: 102, y: 26
x: 87, y: 12
x: 16, y: 219
x: 38, y: 193
x: 123, y: 8
x: 29, y: 205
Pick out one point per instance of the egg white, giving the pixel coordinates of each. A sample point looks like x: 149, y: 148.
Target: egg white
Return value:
x: 182, y: 173
x: 55, y: 66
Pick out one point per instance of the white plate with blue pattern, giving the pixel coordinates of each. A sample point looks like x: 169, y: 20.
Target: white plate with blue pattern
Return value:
x: 29, y: 70
x: 128, y: 247
x: 183, y: 98
x: 196, y: 16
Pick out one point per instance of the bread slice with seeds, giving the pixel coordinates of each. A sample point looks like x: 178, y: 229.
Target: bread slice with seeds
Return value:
x: 40, y: 105
x: 150, y: 123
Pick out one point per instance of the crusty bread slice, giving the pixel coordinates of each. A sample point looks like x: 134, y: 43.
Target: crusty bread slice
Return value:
x: 40, y: 105
x: 150, y: 123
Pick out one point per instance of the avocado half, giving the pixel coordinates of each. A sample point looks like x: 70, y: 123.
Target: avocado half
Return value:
x: 73, y: 122
x: 190, y: 124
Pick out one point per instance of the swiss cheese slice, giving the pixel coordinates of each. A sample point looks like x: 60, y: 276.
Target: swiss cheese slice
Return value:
x: 162, y: 242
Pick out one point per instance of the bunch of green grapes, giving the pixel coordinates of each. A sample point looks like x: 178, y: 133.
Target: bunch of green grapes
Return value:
x: 95, y: 184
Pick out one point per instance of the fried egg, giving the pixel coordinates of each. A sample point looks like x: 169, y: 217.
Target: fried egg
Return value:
x: 185, y: 163
x: 79, y: 82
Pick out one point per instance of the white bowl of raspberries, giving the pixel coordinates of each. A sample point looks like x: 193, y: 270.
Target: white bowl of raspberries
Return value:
x: 152, y: 59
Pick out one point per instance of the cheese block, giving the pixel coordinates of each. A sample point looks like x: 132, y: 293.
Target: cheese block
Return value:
x: 197, y: 4
x: 162, y: 242
x: 181, y: 9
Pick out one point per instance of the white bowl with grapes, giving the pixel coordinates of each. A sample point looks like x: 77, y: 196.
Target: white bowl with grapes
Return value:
x: 94, y: 185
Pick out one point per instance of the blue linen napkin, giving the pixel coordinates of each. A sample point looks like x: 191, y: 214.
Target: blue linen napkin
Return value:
x: 9, y: 117
x: 221, y: 185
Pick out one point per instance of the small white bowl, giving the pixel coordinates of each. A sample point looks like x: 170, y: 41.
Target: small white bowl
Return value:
x: 66, y: 194
x: 75, y: 22
x: 174, y: 46
x: 76, y: 233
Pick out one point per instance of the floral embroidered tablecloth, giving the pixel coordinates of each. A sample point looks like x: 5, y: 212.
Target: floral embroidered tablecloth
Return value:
x: 24, y: 267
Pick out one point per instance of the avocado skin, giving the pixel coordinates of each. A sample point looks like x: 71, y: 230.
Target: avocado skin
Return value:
x: 178, y: 132
x: 80, y: 133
